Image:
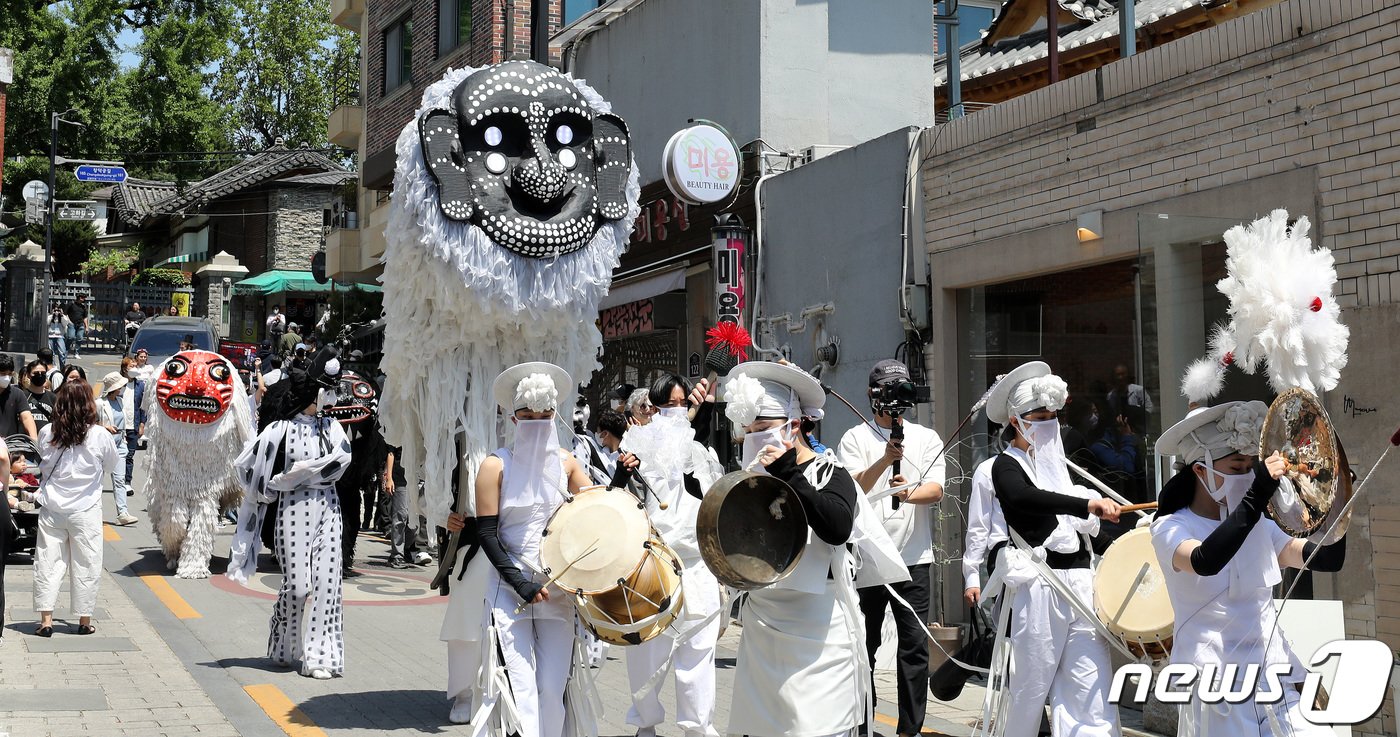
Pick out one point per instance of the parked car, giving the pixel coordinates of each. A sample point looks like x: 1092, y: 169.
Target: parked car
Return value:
x: 161, y: 336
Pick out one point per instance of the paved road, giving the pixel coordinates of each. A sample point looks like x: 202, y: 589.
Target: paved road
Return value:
x: 176, y: 657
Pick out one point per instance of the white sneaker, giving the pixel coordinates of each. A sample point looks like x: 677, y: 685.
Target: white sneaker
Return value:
x: 320, y: 674
x: 422, y: 558
x: 461, y: 710
x: 126, y: 519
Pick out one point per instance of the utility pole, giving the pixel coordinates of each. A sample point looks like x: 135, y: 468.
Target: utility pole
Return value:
x: 1052, y: 25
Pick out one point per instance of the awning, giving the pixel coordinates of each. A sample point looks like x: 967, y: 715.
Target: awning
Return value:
x: 279, y: 281
x: 182, y: 259
x: 643, y: 288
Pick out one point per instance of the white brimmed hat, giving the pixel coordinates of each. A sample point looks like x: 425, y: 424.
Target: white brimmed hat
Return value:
x: 998, y: 399
x: 1232, y: 427
x: 779, y: 383
x: 505, y: 388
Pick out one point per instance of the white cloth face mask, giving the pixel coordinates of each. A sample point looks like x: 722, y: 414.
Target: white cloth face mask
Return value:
x: 1227, y: 489
x: 1039, y: 433
x: 756, y: 441
x: 672, y: 411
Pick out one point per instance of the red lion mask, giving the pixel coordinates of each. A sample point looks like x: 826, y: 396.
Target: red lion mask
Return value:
x: 195, y: 387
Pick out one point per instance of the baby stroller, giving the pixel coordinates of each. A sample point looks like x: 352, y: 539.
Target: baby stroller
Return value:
x: 24, y: 481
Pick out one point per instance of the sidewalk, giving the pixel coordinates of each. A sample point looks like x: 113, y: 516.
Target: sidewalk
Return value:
x: 123, y: 681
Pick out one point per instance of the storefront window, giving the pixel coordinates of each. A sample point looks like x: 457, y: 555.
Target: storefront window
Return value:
x: 1120, y: 334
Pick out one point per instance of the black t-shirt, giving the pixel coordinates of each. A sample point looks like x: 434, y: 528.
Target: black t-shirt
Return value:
x: 13, y: 403
x: 41, y: 406
x: 76, y: 313
x: 135, y: 316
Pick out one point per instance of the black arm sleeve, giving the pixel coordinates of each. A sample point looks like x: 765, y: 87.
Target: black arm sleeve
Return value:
x: 1329, y: 559
x: 488, y: 533
x: 831, y: 512
x: 621, y: 477
x: 1220, y: 546
x: 1015, y: 491
x: 692, y: 486
x: 704, y: 418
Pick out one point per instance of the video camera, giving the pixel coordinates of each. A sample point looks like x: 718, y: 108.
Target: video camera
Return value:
x: 897, y: 397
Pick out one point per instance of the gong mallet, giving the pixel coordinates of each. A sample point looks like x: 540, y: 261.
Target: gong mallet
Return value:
x: 556, y: 576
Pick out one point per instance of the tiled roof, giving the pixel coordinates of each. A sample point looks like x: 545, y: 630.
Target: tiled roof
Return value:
x: 979, y: 59
x: 329, y: 178
x: 1085, y: 10
x: 137, y: 200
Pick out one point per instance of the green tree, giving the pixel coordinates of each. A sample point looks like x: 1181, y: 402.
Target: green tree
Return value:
x: 275, y: 81
x: 183, y: 43
x: 73, y: 240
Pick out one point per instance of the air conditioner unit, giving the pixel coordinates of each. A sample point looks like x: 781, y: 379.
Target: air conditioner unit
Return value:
x: 820, y: 151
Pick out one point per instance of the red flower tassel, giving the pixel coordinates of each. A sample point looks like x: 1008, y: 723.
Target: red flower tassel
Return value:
x: 1316, y: 305
x: 732, y: 336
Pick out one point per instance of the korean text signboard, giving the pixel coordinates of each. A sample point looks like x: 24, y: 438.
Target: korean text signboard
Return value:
x: 702, y: 164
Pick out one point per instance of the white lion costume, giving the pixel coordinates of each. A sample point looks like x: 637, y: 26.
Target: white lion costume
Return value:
x: 514, y: 196
x: 197, y: 422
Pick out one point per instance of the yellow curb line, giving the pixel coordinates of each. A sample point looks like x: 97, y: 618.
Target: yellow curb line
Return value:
x: 109, y: 533
x: 282, y: 711
x: 166, y: 593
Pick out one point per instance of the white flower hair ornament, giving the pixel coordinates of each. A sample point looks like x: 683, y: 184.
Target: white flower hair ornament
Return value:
x: 1244, y: 424
x: 536, y: 393
x: 1282, y: 312
x: 1050, y: 392
x: 742, y: 395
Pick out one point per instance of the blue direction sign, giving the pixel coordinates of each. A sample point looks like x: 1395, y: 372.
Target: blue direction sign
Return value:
x: 93, y: 173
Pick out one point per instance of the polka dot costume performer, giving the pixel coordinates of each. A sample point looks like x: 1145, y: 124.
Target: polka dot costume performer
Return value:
x: 296, y: 462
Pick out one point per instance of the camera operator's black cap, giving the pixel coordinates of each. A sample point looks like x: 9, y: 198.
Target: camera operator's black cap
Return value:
x: 887, y: 371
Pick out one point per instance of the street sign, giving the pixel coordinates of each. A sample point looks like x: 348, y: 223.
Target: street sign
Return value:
x: 35, y: 189
x: 92, y: 173
x: 34, y: 212
x: 77, y: 213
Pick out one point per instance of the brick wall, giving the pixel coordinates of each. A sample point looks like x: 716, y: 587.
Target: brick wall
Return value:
x: 387, y: 112
x: 1306, y: 89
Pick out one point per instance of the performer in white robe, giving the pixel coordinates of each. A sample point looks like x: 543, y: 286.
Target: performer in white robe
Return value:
x: 296, y: 462
x: 986, y: 531
x: 517, y: 490
x: 1055, y: 650
x: 801, y: 669
x: 677, y: 469
x: 1221, y: 562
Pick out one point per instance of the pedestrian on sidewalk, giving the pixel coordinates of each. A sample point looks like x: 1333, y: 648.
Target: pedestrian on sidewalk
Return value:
x: 76, y: 453
x: 41, y: 397
x: 77, y: 312
x: 297, y: 459
x: 133, y: 424
x: 15, y: 416
x: 403, y: 532
x: 113, y: 415
x: 57, y: 330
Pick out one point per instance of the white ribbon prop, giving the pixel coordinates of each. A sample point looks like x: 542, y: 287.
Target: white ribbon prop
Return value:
x: 1073, y: 600
x: 1108, y: 492
x: 876, y: 496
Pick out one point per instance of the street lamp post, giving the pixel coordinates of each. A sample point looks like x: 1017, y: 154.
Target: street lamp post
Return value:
x: 54, y: 120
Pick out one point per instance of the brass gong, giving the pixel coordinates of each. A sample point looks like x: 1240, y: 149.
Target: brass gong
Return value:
x: 1298, y: 428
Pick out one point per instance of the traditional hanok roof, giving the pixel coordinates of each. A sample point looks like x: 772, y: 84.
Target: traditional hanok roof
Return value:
x: 992, y: 54
x: 138, y: 200
x: 328, y: 178
x: 135, y: 199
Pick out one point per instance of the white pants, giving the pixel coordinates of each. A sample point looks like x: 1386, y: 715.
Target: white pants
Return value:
x: 1249, y: 719
x: 694, y: 661
x: 1055, y: 653
x: 68, y: 542
x: 538, y: 654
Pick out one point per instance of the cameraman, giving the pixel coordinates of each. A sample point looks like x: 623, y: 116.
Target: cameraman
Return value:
x: 871, y: 457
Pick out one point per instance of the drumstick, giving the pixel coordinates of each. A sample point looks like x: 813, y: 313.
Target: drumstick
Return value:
x: 556, y: 576
x: 1137, y: 507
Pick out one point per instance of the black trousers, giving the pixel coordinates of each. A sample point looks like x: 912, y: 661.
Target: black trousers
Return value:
x: 913, y: 641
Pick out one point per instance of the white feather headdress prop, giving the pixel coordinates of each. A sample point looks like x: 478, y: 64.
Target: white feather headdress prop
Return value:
x: 482, y: 308
x: 1283, y: 314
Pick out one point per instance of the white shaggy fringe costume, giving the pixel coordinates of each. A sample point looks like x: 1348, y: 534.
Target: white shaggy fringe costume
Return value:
x: 460, y: 309
x: 189, y: 478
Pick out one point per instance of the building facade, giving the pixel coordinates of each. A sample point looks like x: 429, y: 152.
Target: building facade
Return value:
x: 405, y: 46
x: 1293, y: 106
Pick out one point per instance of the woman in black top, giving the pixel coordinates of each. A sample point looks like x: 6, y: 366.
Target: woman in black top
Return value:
x: 1055, y: 652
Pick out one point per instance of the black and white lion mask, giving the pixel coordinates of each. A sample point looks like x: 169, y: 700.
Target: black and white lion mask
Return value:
x: 514, y: 198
